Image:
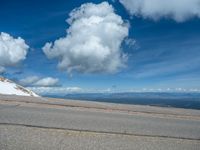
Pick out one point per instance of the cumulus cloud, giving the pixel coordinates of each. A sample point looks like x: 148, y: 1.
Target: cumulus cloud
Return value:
x: 56, y: 90
x: 12, y: 50
x: 40, y: 82
x: 67, y: 90
x: 93, y: 40
x: 48, y: 81
x: 29, y: 80
x: 178, y: 10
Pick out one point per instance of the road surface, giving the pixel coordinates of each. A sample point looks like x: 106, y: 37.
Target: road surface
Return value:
x: 51, y: 124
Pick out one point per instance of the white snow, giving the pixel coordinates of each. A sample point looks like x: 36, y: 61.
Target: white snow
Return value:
x: 8, y: 87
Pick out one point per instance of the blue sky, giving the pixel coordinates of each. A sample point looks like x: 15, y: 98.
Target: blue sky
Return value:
x: 164, y: 53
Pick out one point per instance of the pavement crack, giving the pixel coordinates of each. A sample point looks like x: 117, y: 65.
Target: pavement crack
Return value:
x: 100, y: 132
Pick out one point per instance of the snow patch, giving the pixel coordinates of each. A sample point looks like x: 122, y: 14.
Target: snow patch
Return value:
x: 8, y: 87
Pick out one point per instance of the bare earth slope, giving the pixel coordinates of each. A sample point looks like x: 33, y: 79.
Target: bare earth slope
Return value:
x: 50, y: 124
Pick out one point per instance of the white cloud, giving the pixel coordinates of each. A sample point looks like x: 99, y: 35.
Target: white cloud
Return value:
x: 29, y: 80
x: 12, y: 50
x: 55, y: 90
x: 40, y: 82
x: 130, y: 42
x: 48, y: 81
x: 66, y: 90
x: 93, y: 40
x: 178, y: 10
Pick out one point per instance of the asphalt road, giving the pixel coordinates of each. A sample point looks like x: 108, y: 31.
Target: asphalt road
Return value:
x: 29, y: 125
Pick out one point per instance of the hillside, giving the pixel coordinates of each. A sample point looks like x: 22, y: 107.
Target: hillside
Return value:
x: 8, y: 87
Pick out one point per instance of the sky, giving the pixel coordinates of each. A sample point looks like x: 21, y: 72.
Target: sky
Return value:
x: 101, y: 46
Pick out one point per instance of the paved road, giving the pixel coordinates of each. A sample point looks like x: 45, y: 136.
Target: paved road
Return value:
x: 35, y: 126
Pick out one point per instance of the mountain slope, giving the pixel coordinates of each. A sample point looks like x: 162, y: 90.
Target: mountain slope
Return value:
x: 9, y: 87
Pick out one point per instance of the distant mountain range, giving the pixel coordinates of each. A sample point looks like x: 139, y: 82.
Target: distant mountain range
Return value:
x: 127, y: 95
x: 171, y: 99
